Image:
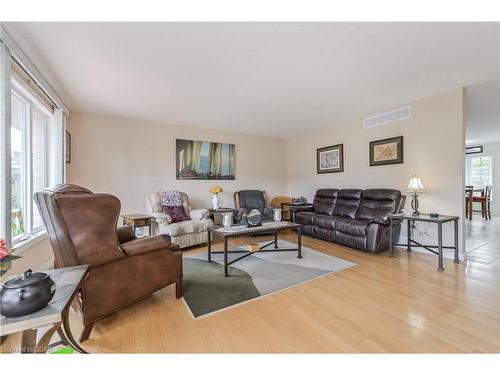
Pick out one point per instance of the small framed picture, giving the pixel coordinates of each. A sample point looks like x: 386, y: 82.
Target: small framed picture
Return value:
x: 330, y: 159
x: 68, y: 147
x: 386, y: 151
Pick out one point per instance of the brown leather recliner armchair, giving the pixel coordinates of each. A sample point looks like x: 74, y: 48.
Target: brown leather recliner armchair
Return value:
x: 123, y: 269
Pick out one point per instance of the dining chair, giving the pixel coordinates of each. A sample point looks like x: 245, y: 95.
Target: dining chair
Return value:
x: 469, y: 194
x: 484, y: 199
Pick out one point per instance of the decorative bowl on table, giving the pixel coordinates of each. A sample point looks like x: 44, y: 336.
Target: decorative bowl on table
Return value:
x: 254, y: 218
x: 26, y: 294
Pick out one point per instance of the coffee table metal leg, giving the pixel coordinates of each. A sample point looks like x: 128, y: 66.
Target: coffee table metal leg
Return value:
x: 299, y: 243
x: 226, y: 273
x: 276, y: 239
x: 209, y: 246
x: 455, y: 228
x: 440, y: 247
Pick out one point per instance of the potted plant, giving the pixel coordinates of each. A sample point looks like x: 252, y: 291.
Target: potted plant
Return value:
x: 5, y: 258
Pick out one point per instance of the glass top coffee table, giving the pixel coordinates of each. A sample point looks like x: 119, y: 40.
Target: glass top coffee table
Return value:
x: 243, y: 230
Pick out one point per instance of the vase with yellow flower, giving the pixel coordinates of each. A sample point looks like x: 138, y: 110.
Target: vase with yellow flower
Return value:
x: 215, y: 190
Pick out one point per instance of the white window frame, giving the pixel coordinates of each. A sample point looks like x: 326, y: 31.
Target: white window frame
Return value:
x: 469, y: 167
x: 32, y: 104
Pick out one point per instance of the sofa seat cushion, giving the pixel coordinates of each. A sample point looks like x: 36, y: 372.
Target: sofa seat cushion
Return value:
x: 324, y: 221
x: 305, y: 218
x: 354, y: 227
x: 188, y: 227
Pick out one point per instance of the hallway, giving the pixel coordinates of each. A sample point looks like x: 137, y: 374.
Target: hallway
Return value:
x: 482, y: 240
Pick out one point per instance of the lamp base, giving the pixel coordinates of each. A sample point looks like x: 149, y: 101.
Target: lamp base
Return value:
x: 414, y: 204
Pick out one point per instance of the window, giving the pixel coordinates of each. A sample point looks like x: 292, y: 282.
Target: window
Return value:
x: 29, y: 124
x: 479, y: 171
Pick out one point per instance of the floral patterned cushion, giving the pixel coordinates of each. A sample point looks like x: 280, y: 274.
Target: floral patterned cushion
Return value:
x: 176, y: 213
x: 171, y: 198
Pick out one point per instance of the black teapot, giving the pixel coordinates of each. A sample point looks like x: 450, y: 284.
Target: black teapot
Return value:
x: 25, y: 294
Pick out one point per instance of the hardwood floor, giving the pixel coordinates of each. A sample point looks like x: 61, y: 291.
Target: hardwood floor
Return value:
x: 383, y: 304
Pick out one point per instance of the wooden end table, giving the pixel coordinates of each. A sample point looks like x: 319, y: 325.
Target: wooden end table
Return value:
x: 55, y: 315
x: 138, y: 221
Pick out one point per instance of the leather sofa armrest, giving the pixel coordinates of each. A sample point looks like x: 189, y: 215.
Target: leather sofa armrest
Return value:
x: 198, y: 214
x: 125, y: 234
x: 295, y: 209
x: 381, y: 220
x: 148, y: 244
x: 386, y: 221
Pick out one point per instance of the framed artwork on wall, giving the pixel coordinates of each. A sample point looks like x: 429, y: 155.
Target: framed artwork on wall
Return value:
x: 68, y: 147
x: 386, y: 151
x: 330, y: 159
x: 201, y: 160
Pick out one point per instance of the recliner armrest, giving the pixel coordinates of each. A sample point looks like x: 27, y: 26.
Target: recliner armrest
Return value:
x: 160, y: 217
x: 240, y: 215
x: 198, y: 214
x: 148, y: 244
x: 268, y: 211
x: 125, y: 234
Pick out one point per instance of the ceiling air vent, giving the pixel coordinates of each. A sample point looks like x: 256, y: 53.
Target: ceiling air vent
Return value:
x: 387, y: 117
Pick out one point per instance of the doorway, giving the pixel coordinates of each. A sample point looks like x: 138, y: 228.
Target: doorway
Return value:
x: 482, y: 173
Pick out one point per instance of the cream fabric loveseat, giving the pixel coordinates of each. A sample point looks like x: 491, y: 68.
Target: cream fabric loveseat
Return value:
x: 184, y: 233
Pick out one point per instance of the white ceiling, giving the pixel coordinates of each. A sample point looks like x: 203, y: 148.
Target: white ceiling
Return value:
x: 276, y: 79
x: 482, y: 113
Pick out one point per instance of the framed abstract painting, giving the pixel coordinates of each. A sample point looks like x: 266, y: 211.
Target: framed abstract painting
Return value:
x: 386, y: 151
x: 330, y: 159
x: 201, y: 160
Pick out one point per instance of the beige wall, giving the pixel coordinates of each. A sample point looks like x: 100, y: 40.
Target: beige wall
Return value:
x: 433, y: 150
x: 131, y: 158
x: 35, y: 257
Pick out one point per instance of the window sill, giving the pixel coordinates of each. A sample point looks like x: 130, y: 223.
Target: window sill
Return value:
x: 21, y: 246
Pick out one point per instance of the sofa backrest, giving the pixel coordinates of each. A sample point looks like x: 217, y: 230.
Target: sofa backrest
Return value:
x: 81, y: 225
x: 154, y: 202
x: 324, y: 201
x: 347, y: 202
x: 250, y: 199
x: 378, y: 203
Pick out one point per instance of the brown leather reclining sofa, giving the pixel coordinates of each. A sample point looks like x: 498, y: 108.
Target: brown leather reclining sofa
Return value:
x: 352, y: 217
x: 123, y: 269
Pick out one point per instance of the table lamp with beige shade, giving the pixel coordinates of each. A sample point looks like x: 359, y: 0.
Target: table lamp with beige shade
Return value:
x: 414, y: 187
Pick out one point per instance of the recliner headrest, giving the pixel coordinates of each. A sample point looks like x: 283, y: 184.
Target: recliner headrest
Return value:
x: 67, y: 189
